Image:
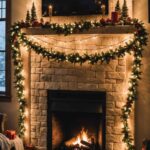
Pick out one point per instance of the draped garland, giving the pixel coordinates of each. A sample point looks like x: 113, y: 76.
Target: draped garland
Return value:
x: 133, y: 47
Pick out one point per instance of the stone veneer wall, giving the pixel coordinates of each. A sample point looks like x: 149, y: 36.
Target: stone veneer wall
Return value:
x: 111, y: 78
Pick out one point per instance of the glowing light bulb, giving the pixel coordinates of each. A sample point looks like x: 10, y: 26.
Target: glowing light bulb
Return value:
x: 110, y: 47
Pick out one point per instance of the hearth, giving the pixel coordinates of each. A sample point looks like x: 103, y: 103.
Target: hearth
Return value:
x: 76, y: 120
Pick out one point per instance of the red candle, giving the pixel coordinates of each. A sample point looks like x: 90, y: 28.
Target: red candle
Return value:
x: 114, y: 17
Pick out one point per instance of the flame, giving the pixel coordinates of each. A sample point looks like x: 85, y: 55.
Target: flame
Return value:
x: 82, y: 136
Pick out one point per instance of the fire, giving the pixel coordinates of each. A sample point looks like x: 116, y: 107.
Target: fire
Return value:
x: 82, y: 136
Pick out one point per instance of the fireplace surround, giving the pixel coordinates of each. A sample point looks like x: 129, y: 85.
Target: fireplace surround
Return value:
x: 48, y: 75
x: 69, y: 111
x: 44, y: 75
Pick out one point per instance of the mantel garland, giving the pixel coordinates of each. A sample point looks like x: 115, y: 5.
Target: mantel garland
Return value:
x: 133, y: 47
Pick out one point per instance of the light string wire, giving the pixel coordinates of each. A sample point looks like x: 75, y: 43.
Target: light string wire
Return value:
x: 133, y: 47
x: 99, y: 47
x: 70, y: 41
x: 67, y: 41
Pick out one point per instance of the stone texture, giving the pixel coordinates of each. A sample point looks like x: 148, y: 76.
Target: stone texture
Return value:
x: 115, y: 75
x: 101, y: 77
x: 109, y: 146
x: 121, y: 62
x: 18, y: 14
x: 120, y: 69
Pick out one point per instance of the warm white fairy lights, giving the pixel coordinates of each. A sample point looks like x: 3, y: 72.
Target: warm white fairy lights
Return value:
x: 55, y: 43
x: 135, y: 47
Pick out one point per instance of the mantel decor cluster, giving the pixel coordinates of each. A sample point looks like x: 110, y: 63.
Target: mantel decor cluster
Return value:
x: 133, y: 47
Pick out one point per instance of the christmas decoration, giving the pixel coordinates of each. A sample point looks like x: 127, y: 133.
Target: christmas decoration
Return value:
x: 50, y: 12
x: 33, y: 13
x: 134, y: 47
x: 117, y: 7
x: 28, y: 17
x: 103, y: 8
x: 11, y: 134
x: 114, y: 17
x: 124, y: 13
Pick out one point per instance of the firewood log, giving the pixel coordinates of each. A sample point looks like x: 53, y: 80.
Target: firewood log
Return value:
x: 85, y: 143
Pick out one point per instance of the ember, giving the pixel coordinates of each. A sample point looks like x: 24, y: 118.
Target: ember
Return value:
x: 81, y: 142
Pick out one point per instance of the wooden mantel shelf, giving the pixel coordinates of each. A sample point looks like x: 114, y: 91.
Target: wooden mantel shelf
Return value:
x: 118, y: 29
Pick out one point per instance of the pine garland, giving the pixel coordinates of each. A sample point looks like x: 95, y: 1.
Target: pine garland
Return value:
x: 134, y: 47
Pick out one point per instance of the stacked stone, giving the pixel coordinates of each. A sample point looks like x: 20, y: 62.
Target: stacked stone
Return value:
x: 46, y: 75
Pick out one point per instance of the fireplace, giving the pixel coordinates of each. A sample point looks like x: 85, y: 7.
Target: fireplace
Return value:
x: 76, y: 120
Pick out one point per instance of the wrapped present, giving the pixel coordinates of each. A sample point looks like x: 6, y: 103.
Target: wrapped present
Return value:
x: 11, y: 134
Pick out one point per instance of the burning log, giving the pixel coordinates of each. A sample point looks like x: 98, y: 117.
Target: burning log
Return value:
x: 81, y: 142
x: 85, y: 143
x: 90, y: 146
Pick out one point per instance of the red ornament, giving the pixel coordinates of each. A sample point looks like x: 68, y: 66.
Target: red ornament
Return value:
x: 114, y: 17
x: 36, y: 24
x: 128, y: 21
x: 109, y: 21
x: 103, y: 22
x: 42, y: 21
x: 47, y: 24
x: 22, y: 24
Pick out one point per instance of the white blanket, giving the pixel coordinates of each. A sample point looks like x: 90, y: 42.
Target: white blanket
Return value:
x: 18, y: 144
x: 7, y: 144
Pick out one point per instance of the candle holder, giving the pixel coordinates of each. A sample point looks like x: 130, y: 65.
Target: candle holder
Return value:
x: 50, y: 11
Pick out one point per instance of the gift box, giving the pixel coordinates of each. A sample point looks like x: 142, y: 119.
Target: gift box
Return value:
x: 11, y: 134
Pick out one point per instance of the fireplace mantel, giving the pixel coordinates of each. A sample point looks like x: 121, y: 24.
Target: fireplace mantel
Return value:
x: 118, y: 29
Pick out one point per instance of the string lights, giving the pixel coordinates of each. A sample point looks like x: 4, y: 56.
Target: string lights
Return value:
x: 134, y: 47
x: 55, y: 45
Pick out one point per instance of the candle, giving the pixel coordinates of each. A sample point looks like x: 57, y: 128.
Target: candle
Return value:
x: 114, y: 17
x: 103, y: 8
x: 50, y: 10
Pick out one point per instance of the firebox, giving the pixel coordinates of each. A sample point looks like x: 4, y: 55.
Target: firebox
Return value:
x: 76, y: 120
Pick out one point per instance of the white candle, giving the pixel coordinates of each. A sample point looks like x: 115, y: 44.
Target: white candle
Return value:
x: 50, y: 10
x: 103, y: 7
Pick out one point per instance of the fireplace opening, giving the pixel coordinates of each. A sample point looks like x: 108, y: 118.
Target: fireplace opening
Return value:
x: 76, y: 120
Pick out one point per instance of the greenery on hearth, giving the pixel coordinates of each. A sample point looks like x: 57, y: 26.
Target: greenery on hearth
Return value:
x: 134, y: 47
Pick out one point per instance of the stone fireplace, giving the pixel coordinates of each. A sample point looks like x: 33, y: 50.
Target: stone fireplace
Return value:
x: 45, y: 75
x: 110, y: 79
